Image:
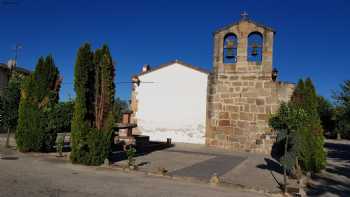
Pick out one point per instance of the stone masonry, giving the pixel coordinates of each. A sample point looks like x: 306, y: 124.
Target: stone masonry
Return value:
x: 242, y: 95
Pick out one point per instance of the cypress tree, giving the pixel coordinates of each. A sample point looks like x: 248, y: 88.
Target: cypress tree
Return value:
x: 100, y: 136
x: 298, y: 94
x: 98, y: 64
x: 93, y: 116
x: 28, y: 117
x: 105, y: 90
x: 39, y: 91
x: 318, y: 152
x: 81, y: 122
x: 312, y: 155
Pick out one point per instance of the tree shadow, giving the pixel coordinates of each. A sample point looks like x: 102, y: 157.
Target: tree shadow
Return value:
x: 118, y: 154
x: 338, y: 151
x: 271, y: 165
x: 333, y: 180
x: 339, y: 170
x: 9, y: 158
x: 328, y: 185
x: 340, y: 154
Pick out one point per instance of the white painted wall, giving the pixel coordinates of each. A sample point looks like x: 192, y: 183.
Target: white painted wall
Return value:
x: 174, y: 105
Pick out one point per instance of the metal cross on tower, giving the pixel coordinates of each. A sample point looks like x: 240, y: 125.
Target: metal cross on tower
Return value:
x: 244, y: 15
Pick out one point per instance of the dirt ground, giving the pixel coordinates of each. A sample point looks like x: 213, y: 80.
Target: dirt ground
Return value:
x: 23, y: 175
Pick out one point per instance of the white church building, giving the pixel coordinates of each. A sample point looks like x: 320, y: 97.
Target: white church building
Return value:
x: 170, y: 102
x: 227, y: 108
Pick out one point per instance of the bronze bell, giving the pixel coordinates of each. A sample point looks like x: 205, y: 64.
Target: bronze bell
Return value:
x: 230, y: 46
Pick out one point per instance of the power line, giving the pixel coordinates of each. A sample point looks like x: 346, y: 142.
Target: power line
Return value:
x: 119, y: 82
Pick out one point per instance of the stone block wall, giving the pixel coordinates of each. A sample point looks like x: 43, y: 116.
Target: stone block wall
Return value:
x: 239, y: 108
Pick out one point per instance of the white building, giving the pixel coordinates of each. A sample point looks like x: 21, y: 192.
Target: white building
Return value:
x: 170, y: 102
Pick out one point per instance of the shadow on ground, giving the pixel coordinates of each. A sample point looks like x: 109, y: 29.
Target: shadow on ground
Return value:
x: 273, y: 167
x: 335, y: 180
x: 118, y: 154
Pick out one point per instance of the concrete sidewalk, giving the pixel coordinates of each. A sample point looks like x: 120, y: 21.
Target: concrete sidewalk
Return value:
x: 201, y: 162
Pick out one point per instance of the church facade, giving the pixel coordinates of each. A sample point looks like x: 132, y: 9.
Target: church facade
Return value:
x: 242, y: 90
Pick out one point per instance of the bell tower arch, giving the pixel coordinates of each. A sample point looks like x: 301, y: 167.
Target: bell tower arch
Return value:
x: 245, y: 30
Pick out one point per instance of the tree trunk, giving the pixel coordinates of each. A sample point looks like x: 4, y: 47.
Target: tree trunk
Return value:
x: 285, y: 169
x: 7, y: 144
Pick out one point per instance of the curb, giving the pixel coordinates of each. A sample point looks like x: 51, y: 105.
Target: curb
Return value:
x: 222, y: 184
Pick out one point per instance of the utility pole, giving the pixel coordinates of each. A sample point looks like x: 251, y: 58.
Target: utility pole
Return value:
x: 17, y: 48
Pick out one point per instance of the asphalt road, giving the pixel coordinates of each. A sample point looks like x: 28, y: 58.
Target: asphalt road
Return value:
x: 27, y: 176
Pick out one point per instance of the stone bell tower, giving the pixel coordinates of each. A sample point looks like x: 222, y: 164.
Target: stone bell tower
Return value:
x: 243, y: 91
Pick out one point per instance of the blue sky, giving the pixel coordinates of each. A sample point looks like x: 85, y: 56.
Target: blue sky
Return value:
x: 312, y: 39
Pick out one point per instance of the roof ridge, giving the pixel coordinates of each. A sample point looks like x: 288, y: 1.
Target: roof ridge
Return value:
x: 176, y: 61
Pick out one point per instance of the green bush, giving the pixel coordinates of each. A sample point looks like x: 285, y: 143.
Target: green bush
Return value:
x: 131, y: 153
x: 99, y: 144
x: 58, y: 120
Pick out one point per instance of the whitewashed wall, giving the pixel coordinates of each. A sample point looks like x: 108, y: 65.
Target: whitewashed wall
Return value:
x: 174, y: 105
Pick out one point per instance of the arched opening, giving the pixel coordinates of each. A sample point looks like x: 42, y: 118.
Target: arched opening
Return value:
x: 255, y: 47
x: 230, y: 49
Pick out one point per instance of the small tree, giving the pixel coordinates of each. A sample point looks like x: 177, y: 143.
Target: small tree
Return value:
x: 289, y: 123
x: 131, y: 153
